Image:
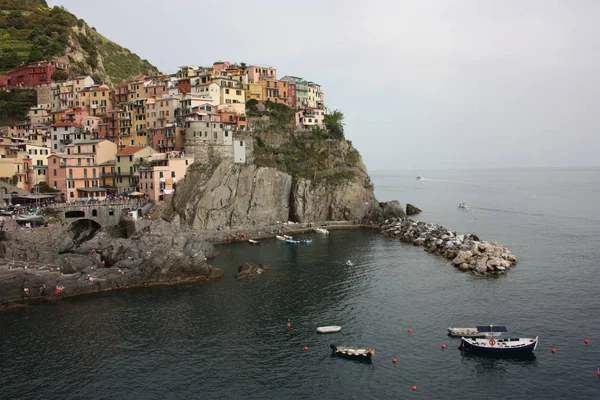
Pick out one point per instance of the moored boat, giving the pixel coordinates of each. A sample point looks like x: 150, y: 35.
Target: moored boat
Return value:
x: 356, y: 353
x: 322, y: 230
x: 252, y: 241
x: 329, y: 329
x: 279, y: 237
x: 292, y: 241
x: 306, y: 241
x: 32, y: 219
x: 499, y: 346
x: 477, y: 332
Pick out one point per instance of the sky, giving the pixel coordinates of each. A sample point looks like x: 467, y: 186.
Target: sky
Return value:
x: 427, y: 84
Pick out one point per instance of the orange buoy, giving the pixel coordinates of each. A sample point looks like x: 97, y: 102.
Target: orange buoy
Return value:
x: 288, y: 325
x: 586, y: 341
x: 409, y: 330
x: 443, y: 346
x: 305, y: 348
x: 394, y: 360
x: 553, y: 350
x: 414, y: 387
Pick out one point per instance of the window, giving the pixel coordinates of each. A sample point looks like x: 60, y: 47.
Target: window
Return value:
x: 172, y: 174
x: 241, y: 143
x: 160, y: 175
x: 54, y: 161
x: 226, y: 91
x: 54, y: 172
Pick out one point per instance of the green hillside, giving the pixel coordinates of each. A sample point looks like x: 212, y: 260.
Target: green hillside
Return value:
x: 30, y: 31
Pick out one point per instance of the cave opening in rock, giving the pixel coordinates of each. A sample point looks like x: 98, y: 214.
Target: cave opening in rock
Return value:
x: 83, y: 230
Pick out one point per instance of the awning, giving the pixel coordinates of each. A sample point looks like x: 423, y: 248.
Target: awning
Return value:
x: 35, y: 196
x: 135, y: 194
x: 92, y: 189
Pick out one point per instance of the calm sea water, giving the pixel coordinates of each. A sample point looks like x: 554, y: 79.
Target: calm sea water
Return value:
x: 229, y: 340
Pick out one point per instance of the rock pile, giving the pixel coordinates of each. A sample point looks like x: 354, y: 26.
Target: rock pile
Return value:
x: 249, y: 270
x: 467, y: 252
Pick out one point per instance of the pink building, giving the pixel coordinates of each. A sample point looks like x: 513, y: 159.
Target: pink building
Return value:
x: 309, y: 118
x: 91, y: 124
x: 159, y: 175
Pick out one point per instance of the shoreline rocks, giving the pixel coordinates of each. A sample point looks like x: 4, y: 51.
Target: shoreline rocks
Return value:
x: 467, y: 252
x: 250, y: 270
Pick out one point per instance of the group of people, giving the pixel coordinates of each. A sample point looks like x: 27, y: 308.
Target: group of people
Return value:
x: 58, y: 289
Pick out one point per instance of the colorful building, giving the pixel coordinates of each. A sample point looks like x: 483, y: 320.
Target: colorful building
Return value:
x: 32, y: 74
x: 160, y: 172
x: 127, y: 164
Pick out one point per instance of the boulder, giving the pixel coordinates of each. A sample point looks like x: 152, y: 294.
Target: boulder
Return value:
x: 462, y: 257
x: 392, y: 209
x: 412, y: 210
x: 249, y: 271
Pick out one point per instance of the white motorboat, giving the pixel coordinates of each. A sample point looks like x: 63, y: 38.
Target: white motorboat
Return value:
x: 462, y: 205
x: 329, y: 329
x: 419, y: 178
x: 280, y: 237
x: 349, y: 263
x: 252, y: 241
x: 322, y: 230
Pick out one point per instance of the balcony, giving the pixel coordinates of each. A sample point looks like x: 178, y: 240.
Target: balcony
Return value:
x: 66, y: 141
x: 107, y: 174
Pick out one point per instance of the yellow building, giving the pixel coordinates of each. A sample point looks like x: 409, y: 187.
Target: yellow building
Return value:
x: 254, y: 91
x: 127, y: 164
x: 96, y: 100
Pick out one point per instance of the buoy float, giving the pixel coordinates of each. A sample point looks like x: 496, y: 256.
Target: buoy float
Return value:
x: 553, y: 350
x: 443, y: 346
x: 414, y: 387
x: 409, y: 330
x: 305, y: 348
x: 288, y: 325
x: 586, y: 341
x: 394, y: 360
x: 598, y: 371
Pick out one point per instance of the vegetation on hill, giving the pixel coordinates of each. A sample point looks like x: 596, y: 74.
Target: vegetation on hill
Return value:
x: 15, y: 104
x: 30, y: 31
x: 321, y: 154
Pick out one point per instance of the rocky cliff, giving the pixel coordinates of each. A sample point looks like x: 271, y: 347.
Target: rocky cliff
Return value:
x: 316, y: 180
x: 159, y: 254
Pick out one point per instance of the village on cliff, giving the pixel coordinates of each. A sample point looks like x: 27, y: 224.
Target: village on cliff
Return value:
x: 87, y: 141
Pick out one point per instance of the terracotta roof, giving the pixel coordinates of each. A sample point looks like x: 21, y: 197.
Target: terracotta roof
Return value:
x: 130, y: 150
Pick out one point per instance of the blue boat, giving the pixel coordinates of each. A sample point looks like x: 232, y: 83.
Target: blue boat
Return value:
x: 292, y: 241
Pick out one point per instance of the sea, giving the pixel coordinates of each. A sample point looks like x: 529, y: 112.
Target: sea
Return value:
x: 230, y: 339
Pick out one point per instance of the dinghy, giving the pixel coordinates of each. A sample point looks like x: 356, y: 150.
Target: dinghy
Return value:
x: 329, y: 329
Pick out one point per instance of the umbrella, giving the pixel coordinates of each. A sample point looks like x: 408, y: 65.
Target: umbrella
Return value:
x: 136, y: 194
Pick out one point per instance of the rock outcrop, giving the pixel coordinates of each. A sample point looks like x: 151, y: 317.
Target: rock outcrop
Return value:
x: 467, y: 252
x: 412, y: 210
x: 159, y: 254
x: 249, y: 271
x: 246, y: 195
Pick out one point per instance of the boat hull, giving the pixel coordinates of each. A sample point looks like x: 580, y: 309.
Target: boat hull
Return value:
x: 354, y: 353
x: 502, y: 346
x: 329, y: 329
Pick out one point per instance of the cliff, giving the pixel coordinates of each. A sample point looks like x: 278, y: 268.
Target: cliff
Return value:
x: 289, y: 177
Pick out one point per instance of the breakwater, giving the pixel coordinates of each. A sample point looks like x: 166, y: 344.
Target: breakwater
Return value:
x: 467, y: 251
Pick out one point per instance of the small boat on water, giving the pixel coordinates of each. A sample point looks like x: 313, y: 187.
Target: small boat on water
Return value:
x: 477, y: 332
x: 349, y: 263
x: 499, y: 346
x: 462, y: 205
x: 322, y: 230
x: 419, y: 178
x: 306, y: 241
x: 329, y: 329
x: 356, y: 353
x: 280, y: 237
x: 292, y: 241
x: 252, y: 241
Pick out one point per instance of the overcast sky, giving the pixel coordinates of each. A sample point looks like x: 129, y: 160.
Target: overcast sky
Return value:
x: 423, y: 84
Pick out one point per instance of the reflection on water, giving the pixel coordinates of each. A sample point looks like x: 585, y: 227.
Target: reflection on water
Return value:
x: 483, y: 363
